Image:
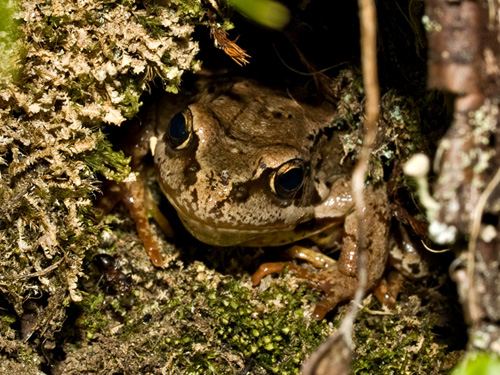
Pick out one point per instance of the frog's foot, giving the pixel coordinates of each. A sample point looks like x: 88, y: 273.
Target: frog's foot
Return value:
x: 387, y: 290
x: 337, y: 286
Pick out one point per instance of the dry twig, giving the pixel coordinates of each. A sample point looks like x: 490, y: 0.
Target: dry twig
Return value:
x: 230, y: 47
x: 334, y: 356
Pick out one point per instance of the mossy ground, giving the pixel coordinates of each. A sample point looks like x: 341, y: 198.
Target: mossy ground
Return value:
x: 71, y: 72
x: 191, y: 319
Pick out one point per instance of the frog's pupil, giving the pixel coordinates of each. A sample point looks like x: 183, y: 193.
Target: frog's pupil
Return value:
x: 291, y: 179
x: 178, y: 129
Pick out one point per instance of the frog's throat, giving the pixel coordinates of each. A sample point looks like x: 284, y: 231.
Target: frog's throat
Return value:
x: 218, y: 235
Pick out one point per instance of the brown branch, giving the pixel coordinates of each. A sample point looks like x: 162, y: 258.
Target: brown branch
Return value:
x: 368, y: 17
x: 43, y: 272
x: 464, y: 59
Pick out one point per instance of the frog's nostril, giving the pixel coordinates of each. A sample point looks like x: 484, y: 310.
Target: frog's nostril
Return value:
x: 190, y: 173
x: 239, y: 193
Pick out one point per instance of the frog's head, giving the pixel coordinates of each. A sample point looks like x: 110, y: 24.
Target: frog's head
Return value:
x: 240, y: 170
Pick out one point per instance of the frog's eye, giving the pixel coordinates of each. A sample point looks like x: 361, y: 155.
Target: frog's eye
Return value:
x: 288, y: 179
x: 180, y: 130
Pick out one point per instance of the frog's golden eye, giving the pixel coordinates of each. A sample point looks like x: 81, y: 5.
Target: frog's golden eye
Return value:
x: 180, y: 130
x: 287, y: 180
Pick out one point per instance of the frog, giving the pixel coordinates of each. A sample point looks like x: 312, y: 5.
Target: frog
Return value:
x: 255, y: 167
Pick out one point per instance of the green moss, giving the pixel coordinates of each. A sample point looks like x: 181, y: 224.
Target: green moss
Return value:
x: 113, y: 165
x: 130, y: 104
x: 190, y: 8
x: 404, y: 341
x: 5, y: 321
x: 206, y: 323
x: 27, y: 355
x: 80, y: 90
x: 92, y: 319
x: 153, y: 25
x: 275, y: 340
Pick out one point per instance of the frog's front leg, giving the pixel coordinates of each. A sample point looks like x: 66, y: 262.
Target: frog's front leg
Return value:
x: 376, y: 223
x: 339, y: 281
x: 135, y: 194
x: 137, y: 199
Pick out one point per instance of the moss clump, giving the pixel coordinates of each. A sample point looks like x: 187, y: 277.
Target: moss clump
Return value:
x: 277, y: 339
x: 403, y: 123
x: 404, y: 341
x: 92, y: 320
x: 113, y: 165
x: 68, y: 70
x: 268, y: 332
x: 20, y: 359
x: 193, y: 320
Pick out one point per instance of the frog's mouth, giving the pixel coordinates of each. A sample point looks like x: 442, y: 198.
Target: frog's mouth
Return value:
x: 225, y: 235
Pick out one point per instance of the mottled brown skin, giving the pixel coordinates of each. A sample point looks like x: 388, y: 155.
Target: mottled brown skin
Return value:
x: 219, y: 184
x: 339, y: 282
x: 222, y: 182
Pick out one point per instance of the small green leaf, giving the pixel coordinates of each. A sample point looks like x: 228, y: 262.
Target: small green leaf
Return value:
x: 478, y: 363
x: 266, y: 12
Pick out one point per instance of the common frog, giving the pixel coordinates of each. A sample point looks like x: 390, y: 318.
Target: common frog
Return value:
x: 254, y: 167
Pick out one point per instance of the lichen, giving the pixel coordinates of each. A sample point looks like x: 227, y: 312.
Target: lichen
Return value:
x: 403, y: 124
x: 82, y: 66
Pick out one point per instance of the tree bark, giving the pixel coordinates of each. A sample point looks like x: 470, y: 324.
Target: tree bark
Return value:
x: 464, y: 61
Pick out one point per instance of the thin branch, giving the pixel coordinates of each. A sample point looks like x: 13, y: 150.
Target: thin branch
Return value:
x: 368, y: 17
x: 43, y: 272
x: 477, y: 215
x: 334, y: 356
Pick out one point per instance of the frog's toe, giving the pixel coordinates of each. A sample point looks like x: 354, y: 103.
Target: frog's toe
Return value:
x: 330, y: 301
x: 266, y: 269
x: 314, y: 257
x: 337, y: 287
x: 276, y: 267
x: 388, y: 289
